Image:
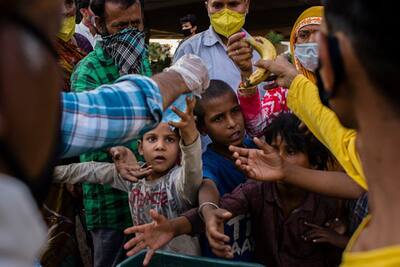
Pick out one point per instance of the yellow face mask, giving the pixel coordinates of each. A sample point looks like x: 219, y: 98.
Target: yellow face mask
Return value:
x: 227, y: 22
x: 67, y: 29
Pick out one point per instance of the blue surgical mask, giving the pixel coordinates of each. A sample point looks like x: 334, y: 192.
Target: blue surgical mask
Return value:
x: 307, y: 55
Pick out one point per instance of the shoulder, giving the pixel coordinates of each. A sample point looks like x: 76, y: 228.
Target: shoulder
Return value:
x: 191, y: 45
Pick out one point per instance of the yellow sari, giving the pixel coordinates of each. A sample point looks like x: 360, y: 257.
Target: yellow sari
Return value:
x: 310, y: 16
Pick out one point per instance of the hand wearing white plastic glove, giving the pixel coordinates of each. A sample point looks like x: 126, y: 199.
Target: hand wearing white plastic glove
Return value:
x: 194, y: 73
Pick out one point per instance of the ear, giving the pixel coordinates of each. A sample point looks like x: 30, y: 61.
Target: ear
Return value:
x: 326, y: 70
x: 83, y: 12
x: 194, y: 29
x: 140, y: 147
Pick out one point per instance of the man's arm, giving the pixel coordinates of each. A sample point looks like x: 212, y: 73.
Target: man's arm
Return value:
x: 303, y: 99
x: 115, y: 114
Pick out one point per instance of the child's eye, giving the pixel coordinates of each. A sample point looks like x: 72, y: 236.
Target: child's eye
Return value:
x: 236, y: 109
x: 151, y: 139
x: 291, y: 152
x: 217, y: 119
x: 170, y: 140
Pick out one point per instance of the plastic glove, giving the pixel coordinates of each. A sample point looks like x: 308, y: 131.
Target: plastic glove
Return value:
x: 194, y: 73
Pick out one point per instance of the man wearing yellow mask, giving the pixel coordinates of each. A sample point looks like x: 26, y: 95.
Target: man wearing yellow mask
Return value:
x: 226, y: 18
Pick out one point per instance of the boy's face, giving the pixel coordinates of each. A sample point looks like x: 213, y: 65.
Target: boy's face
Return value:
x: 290, y: 155
x: 160, y: 148
x: 223, y: 120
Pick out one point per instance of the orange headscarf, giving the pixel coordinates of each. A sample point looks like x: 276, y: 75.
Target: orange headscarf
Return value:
x: 310, y: 16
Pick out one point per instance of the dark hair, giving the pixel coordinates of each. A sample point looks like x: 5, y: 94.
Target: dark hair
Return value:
x: 82, y: 4
x: 189, y: 18
x: 97, y: 6
x: 216, y: 89
x: 370, y: 25
x: 287, y: 127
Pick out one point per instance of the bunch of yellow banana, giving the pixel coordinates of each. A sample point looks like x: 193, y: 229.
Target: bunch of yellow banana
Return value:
x: 267, y: 51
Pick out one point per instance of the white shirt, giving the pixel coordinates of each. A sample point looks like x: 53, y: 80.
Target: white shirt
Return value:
x: 22, y: 231
x: 84, y: 30
x: 210, y: 48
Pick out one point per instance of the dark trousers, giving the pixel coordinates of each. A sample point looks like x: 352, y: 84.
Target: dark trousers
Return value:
x: 108, y: 248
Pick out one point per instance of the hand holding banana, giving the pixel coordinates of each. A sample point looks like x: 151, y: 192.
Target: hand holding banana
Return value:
x: 240, y: 51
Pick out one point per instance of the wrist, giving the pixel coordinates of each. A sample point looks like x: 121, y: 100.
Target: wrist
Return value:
x: 205, y: 210
x: 189, y: 138
x: 290, y: 77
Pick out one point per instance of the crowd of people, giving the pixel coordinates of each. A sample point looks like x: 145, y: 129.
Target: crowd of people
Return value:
x: 298, y: 171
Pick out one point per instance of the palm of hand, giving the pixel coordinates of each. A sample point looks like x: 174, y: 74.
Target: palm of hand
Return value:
x: 157, y: 235
x: 264, y: 166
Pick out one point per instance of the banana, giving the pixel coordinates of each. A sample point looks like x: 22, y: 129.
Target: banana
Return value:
x: 267, y: 51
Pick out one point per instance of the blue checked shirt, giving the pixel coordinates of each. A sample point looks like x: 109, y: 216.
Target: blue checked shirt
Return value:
x: 111, y: 115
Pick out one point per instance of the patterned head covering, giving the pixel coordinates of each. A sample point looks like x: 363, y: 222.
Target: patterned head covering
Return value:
x: 311, y: 16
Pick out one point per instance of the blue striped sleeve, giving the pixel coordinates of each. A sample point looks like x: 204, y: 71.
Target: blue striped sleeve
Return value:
x: 110, y: 115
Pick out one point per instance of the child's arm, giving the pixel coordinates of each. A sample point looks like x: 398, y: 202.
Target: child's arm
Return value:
x: 190, y: 178
x: 88, y: 172
x: 267, y: 165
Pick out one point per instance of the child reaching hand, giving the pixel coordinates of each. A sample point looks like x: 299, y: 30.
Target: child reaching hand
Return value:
x: 168, y: 186
x: 282, y: 215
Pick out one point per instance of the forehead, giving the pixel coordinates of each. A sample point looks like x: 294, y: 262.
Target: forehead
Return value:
x: 161, y: 129
x: 221, y: 104
x: 117, y: 12
x: 311, y: 27
x: 211, y: 2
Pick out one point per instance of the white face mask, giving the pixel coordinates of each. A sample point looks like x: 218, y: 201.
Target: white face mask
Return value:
x: 307, y: 55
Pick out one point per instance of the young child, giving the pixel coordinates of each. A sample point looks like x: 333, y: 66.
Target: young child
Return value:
x: 281, y: 214
x: 219, y: 116
x: 169, y: 187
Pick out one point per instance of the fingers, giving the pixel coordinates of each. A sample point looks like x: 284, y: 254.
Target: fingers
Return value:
x: 141, y: 173
x: 263, y: 146
x: 223, y: 214
x: 190, y: 103
x: 243, y: 152
x: 241, y: 54
x: 136, y: 249
x: 158, y: 218
x: 314, y: 226
x: 134, y: 229
x: 148, y: 257
x: 223, y: 253
x: 265, y: 64
x: 236, y: 37
x: 181, y: 114
x: 133, y: 242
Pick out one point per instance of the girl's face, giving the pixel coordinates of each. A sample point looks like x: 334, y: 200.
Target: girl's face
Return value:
x: 289, y: 154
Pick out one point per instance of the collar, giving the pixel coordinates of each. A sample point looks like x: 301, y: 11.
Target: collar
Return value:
x: 272, y: 196
x: 211, y: 37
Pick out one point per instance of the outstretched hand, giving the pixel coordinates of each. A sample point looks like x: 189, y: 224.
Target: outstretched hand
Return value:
x: 152, y: 236
x: 127, y: 166
x: 215, y: 232
x: 264, y: 164
x: 319, y: 234
x: 187, y: 125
